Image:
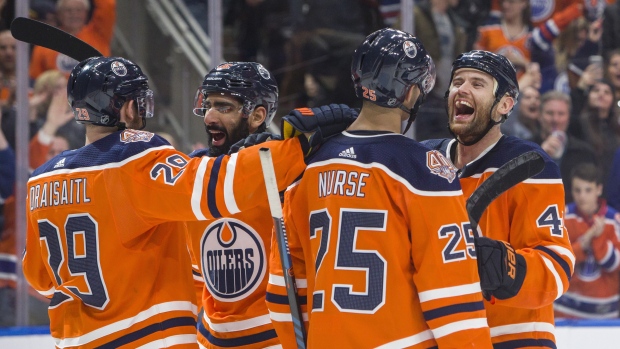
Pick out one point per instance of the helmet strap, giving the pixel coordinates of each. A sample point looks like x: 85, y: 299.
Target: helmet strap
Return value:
x: 413, y: 112
x: 120, y: 126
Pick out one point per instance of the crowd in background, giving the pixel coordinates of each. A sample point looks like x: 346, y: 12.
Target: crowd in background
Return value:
x: 567, y: 56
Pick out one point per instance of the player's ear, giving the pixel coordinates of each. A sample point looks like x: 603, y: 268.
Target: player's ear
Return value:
x: 257, y: 117
x: 505, y: 104
x: 129, y: 111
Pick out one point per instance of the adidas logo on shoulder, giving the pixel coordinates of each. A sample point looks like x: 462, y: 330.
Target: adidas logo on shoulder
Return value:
x: 60, y: 163
x: 348, y: 153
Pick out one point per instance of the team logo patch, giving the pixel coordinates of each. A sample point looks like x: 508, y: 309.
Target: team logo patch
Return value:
x: 128, y: 136
x: 224, y: 66
x: 119, y: 68
x: 440, y: 166
x: 232, y: 258
x: 410, y: 49
x: 541, y: 9
x: 263, y: 72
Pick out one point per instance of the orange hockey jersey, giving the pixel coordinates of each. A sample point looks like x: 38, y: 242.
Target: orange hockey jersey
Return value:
x: 98, y: 33
x: 230, y: 264
x: 593, y: 291
x: 493, y: 38
x: 380, y: 245
x: 107, y: 244
x: 530, y: 217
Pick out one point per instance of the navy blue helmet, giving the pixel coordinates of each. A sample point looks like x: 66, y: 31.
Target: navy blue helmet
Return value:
x: 99, y: 86
x: 387, y: 64
x: 250, y: 82
x: 498, y: 66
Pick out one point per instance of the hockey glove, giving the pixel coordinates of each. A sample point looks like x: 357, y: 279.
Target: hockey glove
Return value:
x: 317, y: 123
x: 501, y: 269
x: 253, y: 139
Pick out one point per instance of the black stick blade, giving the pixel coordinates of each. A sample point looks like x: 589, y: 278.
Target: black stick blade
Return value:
x: 38, y: 33
x: 517, y: 170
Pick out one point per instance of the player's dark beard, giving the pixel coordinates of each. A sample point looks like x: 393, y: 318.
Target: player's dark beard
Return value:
x: 238, y: 133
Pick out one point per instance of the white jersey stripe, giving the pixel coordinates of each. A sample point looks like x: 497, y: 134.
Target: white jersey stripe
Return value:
x: 521, y: 328
x: 563, y: 251
x: 125, y: 323
x: 459, y: 326
x: 285, y: 317
x: 199, y: 188
x: 229, y: 179
x: 408, y: 341
x: 556, y: 276
x: 238, y: 325
x: 170, y: 341
x: 279, y: 281
x: 447, y: 292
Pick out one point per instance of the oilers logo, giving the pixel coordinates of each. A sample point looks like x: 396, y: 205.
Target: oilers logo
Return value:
x: 410, y: 50
x: 119, y: 68
x: 541, y: 9
x: 440, y: 166
x: 233, y: 259
x: 263, y: 72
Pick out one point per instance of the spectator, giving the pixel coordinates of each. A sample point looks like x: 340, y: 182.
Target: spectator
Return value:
x: 7, y: 67
x: 72, y: 17
x: 510, y: 36
x: 566, y: 150
x: 44, y: 11
x: 597, y: 122
x: 593, y: 230
x: 523, y: 122
x: 612, y: 71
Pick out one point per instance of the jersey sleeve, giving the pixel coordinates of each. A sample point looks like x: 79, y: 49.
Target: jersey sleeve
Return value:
x: 537, y: 232
x: 102, y: 22
x: 33, y: 263
x: 606, y: 247
x: 446, y: 272
x: 196, y: 274
x: 166, y: 185
x: 277, y: 299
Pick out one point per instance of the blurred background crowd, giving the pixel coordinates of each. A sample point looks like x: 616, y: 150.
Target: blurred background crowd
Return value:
x: 567, y: 54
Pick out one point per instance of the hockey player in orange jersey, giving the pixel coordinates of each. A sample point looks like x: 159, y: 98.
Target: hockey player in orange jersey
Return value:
x: 527, y: 219
x: 377, y: 224
x: 105, y: 238
x: 593, y: 229
x: 236, y: 99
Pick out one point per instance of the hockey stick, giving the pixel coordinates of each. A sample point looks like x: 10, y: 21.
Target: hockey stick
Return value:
x: 285, y: 256
x: 39, y: 33
x: 517, y: 170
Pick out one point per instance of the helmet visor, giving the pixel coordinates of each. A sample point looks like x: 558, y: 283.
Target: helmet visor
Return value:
x: 146, y: 104
x: 200, y: 100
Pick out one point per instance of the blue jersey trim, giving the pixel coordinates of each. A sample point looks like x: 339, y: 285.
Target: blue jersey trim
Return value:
x: 236, y: 342
x: 278, y: 299
x: 453, y: 309
x: 211, y: 200
x: 557, y: 258
x: 525, y: 343
x: 141, y: 333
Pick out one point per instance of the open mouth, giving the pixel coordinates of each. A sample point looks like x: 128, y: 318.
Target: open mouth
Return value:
x: 217, y: 137
x: 463, y: 109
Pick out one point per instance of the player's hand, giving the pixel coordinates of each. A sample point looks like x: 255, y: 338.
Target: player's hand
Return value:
x: 253, y: 139
x: 501, y: 269
x: 318, y: 124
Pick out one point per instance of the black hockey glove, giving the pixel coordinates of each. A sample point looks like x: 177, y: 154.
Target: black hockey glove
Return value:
x: 322, y: 123
x: 501, y: 269
x: 253, y: 139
